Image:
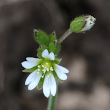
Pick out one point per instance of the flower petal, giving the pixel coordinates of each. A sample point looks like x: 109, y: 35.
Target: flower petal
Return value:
x: 52, y: 56
x: 33, y: 60
x: 30, y: 77
x: 28, y: 65
x: 60, y: 74
x: 45, y: 53
x: 46, y: 86
x: 63, y: 69
x: 33, y: 84
x: 53, y: 85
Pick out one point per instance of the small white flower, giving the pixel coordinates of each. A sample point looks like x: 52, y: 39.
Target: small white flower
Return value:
x: 44, y: 68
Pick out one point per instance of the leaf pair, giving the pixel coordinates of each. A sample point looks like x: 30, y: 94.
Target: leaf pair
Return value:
x: 46, y: 42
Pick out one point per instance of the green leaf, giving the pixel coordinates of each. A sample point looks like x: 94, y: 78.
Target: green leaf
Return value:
x: 52, y: 47
x: 39, y: 55
x: 52, y: 37
x: 58, y: 49
x: 30, y: 70
x: 41, y: 83
x: 42, y: 48
x: 41, y: 37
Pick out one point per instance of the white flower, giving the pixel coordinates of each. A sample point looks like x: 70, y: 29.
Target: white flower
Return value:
x: 44, y: 68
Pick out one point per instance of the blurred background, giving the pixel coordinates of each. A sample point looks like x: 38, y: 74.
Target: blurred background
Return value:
x: 87, y: 55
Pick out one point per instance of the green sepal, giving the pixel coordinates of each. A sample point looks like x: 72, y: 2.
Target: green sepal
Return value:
x: 78, y: 23
x: 39, y: 55
x: 52, y: 47
x: 77, y: 26
x: 57, y: 60
x: 80, y: 18
x: 41, y: 83
x: 42, y: 48
x: 58, y: 48
x: 52, y: 37
x: 30, y: 70
x: 41, y: 37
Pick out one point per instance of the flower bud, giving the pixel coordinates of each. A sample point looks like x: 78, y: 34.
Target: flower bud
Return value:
x: 82, y: 23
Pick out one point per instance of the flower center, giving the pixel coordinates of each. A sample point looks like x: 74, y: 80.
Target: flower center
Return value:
x: 46, y: 64
x: 45, y: 68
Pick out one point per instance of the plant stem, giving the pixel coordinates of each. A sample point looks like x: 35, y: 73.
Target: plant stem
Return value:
x: 52, y: 102
x: 64, y: 36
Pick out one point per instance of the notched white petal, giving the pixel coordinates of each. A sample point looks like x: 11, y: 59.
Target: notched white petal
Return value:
x: 51, y: 56
x: 63, y: 69
x: 53, y: 86
x: 46, y: 87
x: 30, y: 77
x: 34, y: 83
x: 45, y: 53
x: 28, y: 65
x: 60, y: 74
x: 33, y: 60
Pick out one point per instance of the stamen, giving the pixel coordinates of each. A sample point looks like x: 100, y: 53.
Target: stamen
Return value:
x: 38, y: 66
x: 51, y: 68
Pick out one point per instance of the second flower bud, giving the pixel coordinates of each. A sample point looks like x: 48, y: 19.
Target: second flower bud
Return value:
x: 82, y: 23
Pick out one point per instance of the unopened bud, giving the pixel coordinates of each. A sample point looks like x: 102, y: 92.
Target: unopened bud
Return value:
x: 82, y: 23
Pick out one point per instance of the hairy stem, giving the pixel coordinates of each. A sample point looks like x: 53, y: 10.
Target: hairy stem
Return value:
x: 64, y: 36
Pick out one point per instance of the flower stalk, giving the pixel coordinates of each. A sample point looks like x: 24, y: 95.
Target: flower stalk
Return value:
x: 52, y: 102
x: 64, y: 36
